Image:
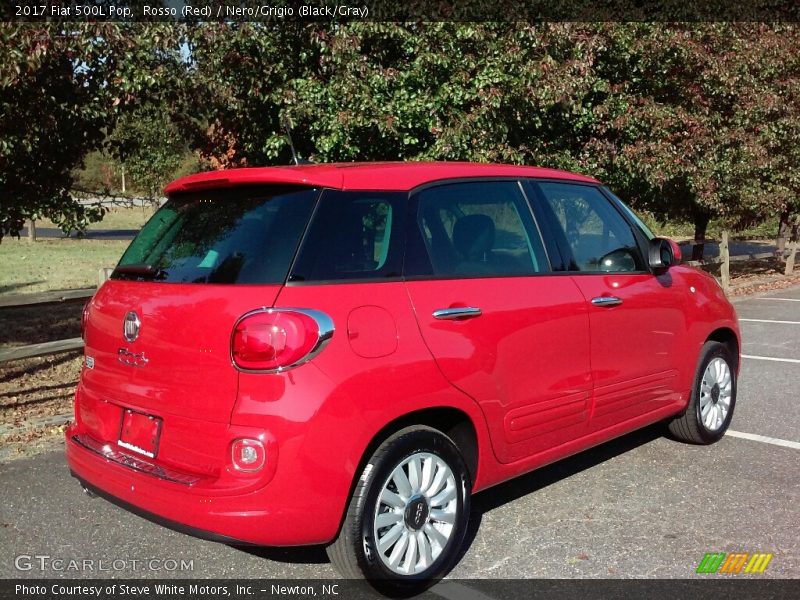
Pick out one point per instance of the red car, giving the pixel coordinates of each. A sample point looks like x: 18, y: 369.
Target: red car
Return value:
x: 342, y: 354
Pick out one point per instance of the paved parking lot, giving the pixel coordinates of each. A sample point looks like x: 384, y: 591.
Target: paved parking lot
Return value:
x: 642, y: 506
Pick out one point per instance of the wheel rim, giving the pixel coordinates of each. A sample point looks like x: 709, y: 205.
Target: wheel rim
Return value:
x: 716, y: 391
x: 415, y: 514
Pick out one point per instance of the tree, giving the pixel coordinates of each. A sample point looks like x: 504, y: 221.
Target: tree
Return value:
x: 375, y: 91
x: 151, y: 147
x: 685, y: 120
x: 688, y: 126
x: 62, y: 88
x: 681, y: 119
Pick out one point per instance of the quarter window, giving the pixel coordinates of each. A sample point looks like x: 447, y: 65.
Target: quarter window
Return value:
x: 592, y: 230
x: 353, y: 235
x: 479, y: 229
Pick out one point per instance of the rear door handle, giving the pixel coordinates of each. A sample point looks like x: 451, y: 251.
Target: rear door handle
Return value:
x: 451, y: 314
x: 606, y: 301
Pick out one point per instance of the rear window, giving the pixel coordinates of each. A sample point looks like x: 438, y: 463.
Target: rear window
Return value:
x: 236, y: 235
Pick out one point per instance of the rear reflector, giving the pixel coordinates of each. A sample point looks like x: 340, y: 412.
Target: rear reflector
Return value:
x: 248, y: 455
x: 272, y: 340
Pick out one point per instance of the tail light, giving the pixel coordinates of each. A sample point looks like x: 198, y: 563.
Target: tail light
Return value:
x: 85, y: 318
x: 276, y: 339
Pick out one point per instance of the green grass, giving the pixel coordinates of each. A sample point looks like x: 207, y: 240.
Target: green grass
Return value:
x: 54, y: 264
x: 680, y: 231
x: 115, y: 218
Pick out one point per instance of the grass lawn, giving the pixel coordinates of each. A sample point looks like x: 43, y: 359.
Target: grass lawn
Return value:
x: 684, y: 231
x: 54, y: 264
x: 115, y: 218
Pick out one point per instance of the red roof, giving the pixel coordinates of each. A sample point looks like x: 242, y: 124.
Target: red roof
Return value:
x: 399, y: 176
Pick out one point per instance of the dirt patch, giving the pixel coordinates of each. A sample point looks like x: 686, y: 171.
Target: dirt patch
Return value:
x: 36, y: 393
x: 36, y: 402
x: 41, y: 323
x: 757, y: 276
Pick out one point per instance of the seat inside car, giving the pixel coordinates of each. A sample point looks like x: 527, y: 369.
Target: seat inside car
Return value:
x: 473, y: 238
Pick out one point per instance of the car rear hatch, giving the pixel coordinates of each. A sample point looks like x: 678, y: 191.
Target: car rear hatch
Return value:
x: 158, y: 333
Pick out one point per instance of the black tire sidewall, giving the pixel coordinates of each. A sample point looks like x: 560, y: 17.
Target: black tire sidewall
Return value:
x: 395, y: 452
x: 711, y: 351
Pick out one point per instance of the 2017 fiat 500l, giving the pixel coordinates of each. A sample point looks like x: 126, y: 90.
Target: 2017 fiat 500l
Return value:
x: 342, y: 354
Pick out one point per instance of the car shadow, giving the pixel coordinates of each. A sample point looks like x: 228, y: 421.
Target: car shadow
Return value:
x: 310, y: 555
x: 500, y: 495
x: 495, y: 497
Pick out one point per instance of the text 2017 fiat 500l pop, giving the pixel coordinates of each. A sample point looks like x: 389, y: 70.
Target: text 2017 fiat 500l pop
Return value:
x: 342, y: 354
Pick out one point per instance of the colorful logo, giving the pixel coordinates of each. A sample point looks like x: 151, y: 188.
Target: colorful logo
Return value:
x: 735, y: 562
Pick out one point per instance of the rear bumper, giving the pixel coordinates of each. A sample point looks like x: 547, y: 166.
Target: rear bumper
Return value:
x: 251, y: 517
x: 193, y: 531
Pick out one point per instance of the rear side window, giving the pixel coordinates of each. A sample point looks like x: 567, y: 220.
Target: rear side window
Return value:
x: 353, y: 236
x: 594, y: 232
x: 479, y: 229
x: 235, y: 235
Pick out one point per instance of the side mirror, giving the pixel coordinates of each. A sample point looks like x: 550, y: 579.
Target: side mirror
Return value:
x: 663, y: 254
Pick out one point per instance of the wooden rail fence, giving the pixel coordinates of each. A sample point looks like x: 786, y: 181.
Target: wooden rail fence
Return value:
x: 54, y: 297
x: 44, y: 298
x: 41, y: 349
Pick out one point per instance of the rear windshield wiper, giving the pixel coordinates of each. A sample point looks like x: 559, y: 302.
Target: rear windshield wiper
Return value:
x: 139, y: 270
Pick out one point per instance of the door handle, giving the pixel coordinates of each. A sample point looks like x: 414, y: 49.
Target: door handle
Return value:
x: 451, y: 314
x: 606, y: 301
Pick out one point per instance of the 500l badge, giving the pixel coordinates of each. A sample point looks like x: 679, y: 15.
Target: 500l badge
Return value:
x: 133, y: 359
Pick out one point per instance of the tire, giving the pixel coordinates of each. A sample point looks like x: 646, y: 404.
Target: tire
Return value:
x: 427, y: 543
x: 711, y: 404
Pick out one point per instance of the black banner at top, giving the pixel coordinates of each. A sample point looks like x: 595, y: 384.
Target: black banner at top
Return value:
x: 401, y: 10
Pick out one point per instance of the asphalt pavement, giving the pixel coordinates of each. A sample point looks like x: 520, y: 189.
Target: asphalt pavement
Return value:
x: 642, y: 506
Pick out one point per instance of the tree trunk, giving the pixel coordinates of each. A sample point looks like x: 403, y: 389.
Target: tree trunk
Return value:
x: 725, y: 267
x: 31, y: 230
x: 783, y: 227
x: 790, y: 259
x: 123, y: 179
x: 793, y: 247
x: 700, y: 226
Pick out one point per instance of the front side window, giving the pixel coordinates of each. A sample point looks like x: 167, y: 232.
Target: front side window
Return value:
x: 479, y: 229
x: 353, y: 235
x: 634, y: 217
x: 597, y: 236
x: 230, y: 236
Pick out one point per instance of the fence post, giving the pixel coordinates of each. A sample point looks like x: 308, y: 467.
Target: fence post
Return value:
x: 31, y: 230
x: 725, y: 267
x: 103, y: 274
x: 790, y: 259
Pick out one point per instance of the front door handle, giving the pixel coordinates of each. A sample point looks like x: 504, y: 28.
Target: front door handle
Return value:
x: 606, y: 301
x: 452, y: 314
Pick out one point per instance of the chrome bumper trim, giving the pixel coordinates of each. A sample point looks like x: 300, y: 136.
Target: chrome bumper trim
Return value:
x: 110, y: 453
